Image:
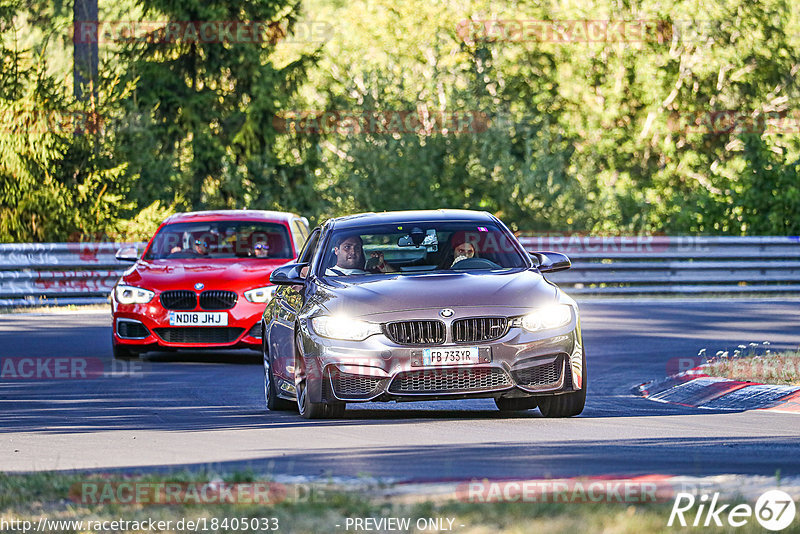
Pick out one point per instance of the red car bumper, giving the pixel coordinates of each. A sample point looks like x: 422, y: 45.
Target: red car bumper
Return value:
x: 147, y: 327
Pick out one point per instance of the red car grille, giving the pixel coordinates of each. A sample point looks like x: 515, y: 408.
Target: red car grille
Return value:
x: 479, y: 329
x: 202, y: 334
x: 179, y: 300
x: 217, y: 300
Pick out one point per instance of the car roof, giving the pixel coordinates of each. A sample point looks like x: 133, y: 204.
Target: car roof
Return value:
x: 236, y: 215
x: 405, y: 217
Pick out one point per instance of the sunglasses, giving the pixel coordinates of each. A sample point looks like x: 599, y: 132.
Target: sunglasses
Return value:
x: 201, y: 243
x: 261, y: 246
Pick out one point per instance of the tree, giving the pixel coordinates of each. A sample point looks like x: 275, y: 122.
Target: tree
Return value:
x: 201, y: 131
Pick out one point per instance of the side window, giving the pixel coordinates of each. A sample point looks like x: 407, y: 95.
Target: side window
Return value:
x: 311, y: 244
x: 299, y: 232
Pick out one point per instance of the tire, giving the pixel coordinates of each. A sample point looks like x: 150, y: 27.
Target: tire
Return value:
x: 335, y: 410
x: 517, y: 404
x: 120, y: 352
x: 274, y: 403
x: 306, y: 408
x: 567, y: 405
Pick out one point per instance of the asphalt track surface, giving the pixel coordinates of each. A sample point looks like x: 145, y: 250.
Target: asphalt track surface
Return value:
x: 201, y: 410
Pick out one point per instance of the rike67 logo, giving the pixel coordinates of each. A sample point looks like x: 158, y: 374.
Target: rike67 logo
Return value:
x: 774, y: 510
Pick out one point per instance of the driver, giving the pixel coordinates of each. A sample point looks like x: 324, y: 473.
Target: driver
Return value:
x: 349, y: 251
x: 201, y: 247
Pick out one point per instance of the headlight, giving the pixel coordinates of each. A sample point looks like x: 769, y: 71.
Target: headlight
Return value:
x: 260, y: 294
x: 133, y: 295
x: 344, y: 328
x: 545, y: 318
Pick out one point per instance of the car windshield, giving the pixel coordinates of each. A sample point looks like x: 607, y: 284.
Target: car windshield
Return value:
x: 221, y: 239
x: 409, y: 248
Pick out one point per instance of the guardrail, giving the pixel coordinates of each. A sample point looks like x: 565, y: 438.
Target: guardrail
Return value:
x: 58, y: 273
x: 684, y: 264
x: 83, y: 273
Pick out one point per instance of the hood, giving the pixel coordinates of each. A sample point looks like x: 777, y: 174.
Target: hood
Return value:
x: 386, y: 294
x: 234, y: 275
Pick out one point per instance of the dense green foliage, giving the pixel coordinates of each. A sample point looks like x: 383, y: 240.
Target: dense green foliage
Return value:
x: 689, y: 127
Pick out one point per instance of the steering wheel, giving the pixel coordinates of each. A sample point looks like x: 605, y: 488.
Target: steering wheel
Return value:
x: 475, y: 263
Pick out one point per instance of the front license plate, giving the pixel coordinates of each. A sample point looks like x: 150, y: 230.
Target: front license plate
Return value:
x: 198, y: 318
x: 454, y: 356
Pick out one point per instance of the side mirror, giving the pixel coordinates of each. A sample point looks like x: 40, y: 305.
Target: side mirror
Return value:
x: 288, y: 275
x: 550, y: 262
x: 127, y: 254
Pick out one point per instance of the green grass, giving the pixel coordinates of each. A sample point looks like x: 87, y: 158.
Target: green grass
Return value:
x: 779, y: 368
x: 29, y: 497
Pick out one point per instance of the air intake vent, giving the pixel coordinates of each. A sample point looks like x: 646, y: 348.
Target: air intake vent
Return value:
x: 547, y: 375
x: 450, y: 380
x: 179, y: 300
x: 354, y: 387
x: 217, y: 300
x: 130, y: 329
x: 205, y: 334
x: 416, y: 332
x: 255, y: 331
x: 478, y: 329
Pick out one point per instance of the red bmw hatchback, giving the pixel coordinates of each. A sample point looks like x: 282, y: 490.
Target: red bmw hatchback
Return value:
x: 202, y: 281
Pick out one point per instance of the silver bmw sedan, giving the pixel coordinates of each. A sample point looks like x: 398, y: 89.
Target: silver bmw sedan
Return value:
x: 421, y: 305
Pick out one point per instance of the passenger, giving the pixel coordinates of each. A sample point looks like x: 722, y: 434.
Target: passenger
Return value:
x: 261, y: 249
x: 463, y: 251
x: 460, y: 249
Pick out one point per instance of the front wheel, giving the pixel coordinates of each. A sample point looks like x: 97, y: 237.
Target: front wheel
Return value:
x: 307, y: 409
x: 567, y: 405
x: 274, y: 403
x: 121, y: 352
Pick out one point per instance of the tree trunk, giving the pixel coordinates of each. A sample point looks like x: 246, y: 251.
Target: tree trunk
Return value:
x: 85, y: 53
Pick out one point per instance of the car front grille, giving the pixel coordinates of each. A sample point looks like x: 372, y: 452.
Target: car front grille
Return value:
x: 479, y: 329
x: 131, y: 329
x: 416, y: 332
x: 450, y: 380
x: 179, y: 300
x: 217, y: 300
x: 540, y: 375
x: 357, y: 387
x: 203, y: 334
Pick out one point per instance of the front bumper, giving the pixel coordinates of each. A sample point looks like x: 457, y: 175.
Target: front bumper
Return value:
x: 518, y: 364
x: 146, y: 327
